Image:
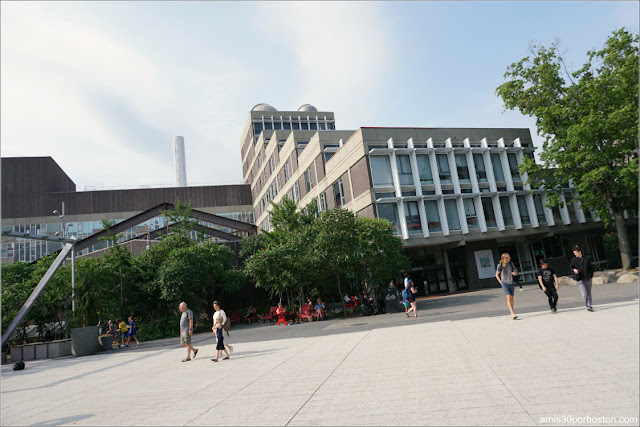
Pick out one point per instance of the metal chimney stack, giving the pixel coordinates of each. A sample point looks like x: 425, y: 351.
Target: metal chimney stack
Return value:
x: 179, y: 161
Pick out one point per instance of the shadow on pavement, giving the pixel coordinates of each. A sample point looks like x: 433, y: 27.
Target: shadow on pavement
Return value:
x: 65, y: 420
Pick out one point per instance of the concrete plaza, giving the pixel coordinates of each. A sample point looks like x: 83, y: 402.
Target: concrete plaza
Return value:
x: 379, y: 370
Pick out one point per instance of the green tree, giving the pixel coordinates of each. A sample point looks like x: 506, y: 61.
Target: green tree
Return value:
x: 337, y: 244
x: 589, y: 119
x: 380, y: 250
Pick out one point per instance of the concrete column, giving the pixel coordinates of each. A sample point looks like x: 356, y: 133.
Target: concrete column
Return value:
x: 447, y: 268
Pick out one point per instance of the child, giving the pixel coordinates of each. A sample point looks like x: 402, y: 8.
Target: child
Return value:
x: 132, y: 332
x: 219, y: 340
x: 113, y: 331
x: 319, y: 307
x: 123, y: 331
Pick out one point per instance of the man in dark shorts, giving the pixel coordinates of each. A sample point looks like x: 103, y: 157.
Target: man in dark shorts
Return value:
x: 548, y: 282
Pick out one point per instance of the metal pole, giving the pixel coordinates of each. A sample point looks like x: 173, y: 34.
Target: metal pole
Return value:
x: 73, y: 279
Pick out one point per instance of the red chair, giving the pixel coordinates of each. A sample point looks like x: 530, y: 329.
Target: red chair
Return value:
x: 305, y: 312
x: 269, y: 316
x: 250, y: 319
x: 235, y: 317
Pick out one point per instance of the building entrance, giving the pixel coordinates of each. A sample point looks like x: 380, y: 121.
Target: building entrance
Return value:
x: 436, y: 281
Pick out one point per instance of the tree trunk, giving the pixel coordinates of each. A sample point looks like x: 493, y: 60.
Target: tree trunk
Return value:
x: 344, y: 304
x: 623, y: 239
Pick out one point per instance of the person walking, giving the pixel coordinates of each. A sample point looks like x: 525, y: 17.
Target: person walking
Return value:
x: 217, y: 327
x: 132, y: 332
x: 546, y: 279
x: 124, y: 336
x: 505, y: 273
x: 406, y: 281
x: 222, y: 315
x: 583, y: 273
x: 411, y: 299
x: 319, y: 307
x: 186, y: 330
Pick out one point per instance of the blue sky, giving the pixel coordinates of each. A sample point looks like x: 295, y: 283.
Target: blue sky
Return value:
x: 103, y: 87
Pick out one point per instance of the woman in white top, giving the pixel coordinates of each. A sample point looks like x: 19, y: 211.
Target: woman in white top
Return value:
x: 220, y: 313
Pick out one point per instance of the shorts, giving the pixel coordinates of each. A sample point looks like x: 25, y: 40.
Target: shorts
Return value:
x: 131, y: 333
x: 220, y: 344
x: 508, y: 288
x: 125, y: 334
x: 406, y: 304
x: 185, y: 338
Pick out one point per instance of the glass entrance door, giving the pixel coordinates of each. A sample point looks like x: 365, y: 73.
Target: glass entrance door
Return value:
x: 436, y: 281
x: 459, y: 278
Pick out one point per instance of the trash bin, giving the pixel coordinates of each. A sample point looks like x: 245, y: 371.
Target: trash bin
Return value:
x: 84, y: 341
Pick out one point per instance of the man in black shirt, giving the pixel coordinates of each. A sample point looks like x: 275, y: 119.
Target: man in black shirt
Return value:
x: 582, y: 273
x: 548, y: 282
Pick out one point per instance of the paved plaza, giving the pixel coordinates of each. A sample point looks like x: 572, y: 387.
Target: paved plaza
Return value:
x: 444, y: 368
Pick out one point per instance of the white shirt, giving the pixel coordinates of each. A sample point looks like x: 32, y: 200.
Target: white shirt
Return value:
x: 218, y: 314
x: 406, y: 283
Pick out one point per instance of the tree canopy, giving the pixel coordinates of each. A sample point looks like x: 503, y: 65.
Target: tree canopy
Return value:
x: 589, y: 119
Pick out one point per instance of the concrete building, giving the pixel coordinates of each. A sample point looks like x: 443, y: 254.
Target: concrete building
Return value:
x: 454, y: 195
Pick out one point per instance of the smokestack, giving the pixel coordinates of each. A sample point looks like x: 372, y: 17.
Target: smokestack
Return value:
x: 179, y: 161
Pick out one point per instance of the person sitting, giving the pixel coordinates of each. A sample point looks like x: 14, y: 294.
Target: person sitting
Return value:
x: 251, y: 314
x: 280, y: 311
x: 348, y: 301
x: 319, y: 307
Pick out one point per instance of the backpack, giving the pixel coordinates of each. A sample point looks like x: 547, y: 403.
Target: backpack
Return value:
x: 405, y: 294
x: 18, y: 366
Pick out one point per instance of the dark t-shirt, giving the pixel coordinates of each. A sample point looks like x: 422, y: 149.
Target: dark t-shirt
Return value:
x: 547, y: 277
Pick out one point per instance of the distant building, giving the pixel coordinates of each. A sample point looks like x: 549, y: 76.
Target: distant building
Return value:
x: 33, y: 187
x: 454, y: 195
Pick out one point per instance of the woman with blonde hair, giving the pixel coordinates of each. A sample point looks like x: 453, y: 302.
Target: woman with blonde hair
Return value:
x: 505, y: 274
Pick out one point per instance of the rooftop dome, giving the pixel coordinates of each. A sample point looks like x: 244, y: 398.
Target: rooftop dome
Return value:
x: 263, y: 107
x: 308, y: 107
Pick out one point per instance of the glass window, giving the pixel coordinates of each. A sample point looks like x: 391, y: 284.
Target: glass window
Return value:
x: 308, y: 181
x: 286, y: 126
x: 322, y: 126
x: 481, y: 172
x: 537, y: 201
x: 489, y: 214
x: 277, y: 126
x: 557, y: 217
x: 287, y: 172
x: 404, y: 170
x: 570, y: 206
x: 463, y: 168
x: 304, y: 126
x: 268, y: 125
x: 296, y: 194
x: 424, y: 169
x: 524, y: 212
x: 497, y: 167
x: 412, y: 215
x: 470, y: 213
x: 452, y: 214
x: 338, y: 193
x: 296, y: 126
x: 257, y: 128
x: 259, y: 160
x: 313, y: 126
x: 513, y: 166
x: 323, y: 201
x: 383, y: 195
x: 381, y: 171
x: 433, y: 215
x: 389, y: 211
x: 443, y: 169
x: 271, y: 165
x: 506, y: 210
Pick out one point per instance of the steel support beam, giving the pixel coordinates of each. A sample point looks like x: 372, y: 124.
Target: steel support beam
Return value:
x: 37, y: 291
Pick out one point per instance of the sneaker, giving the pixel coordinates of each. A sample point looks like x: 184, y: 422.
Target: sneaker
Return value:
x: 138, y: 345
x: 230, y: 349
x: 521, y: 289
x: 590, y: 309
x: 213, y: 360
x: 554, y: 310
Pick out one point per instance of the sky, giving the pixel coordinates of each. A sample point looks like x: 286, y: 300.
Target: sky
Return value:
x: 103, y: 87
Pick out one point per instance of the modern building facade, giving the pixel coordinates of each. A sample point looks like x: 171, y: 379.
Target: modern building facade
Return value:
x: 454, y: 195
x: 33, y: 187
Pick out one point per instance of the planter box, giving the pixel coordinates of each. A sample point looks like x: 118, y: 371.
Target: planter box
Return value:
x: 105, y: 343
x: 59, y: 348
x: 24, y: 352
x: 84, y: 341
x: 42, y: 350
